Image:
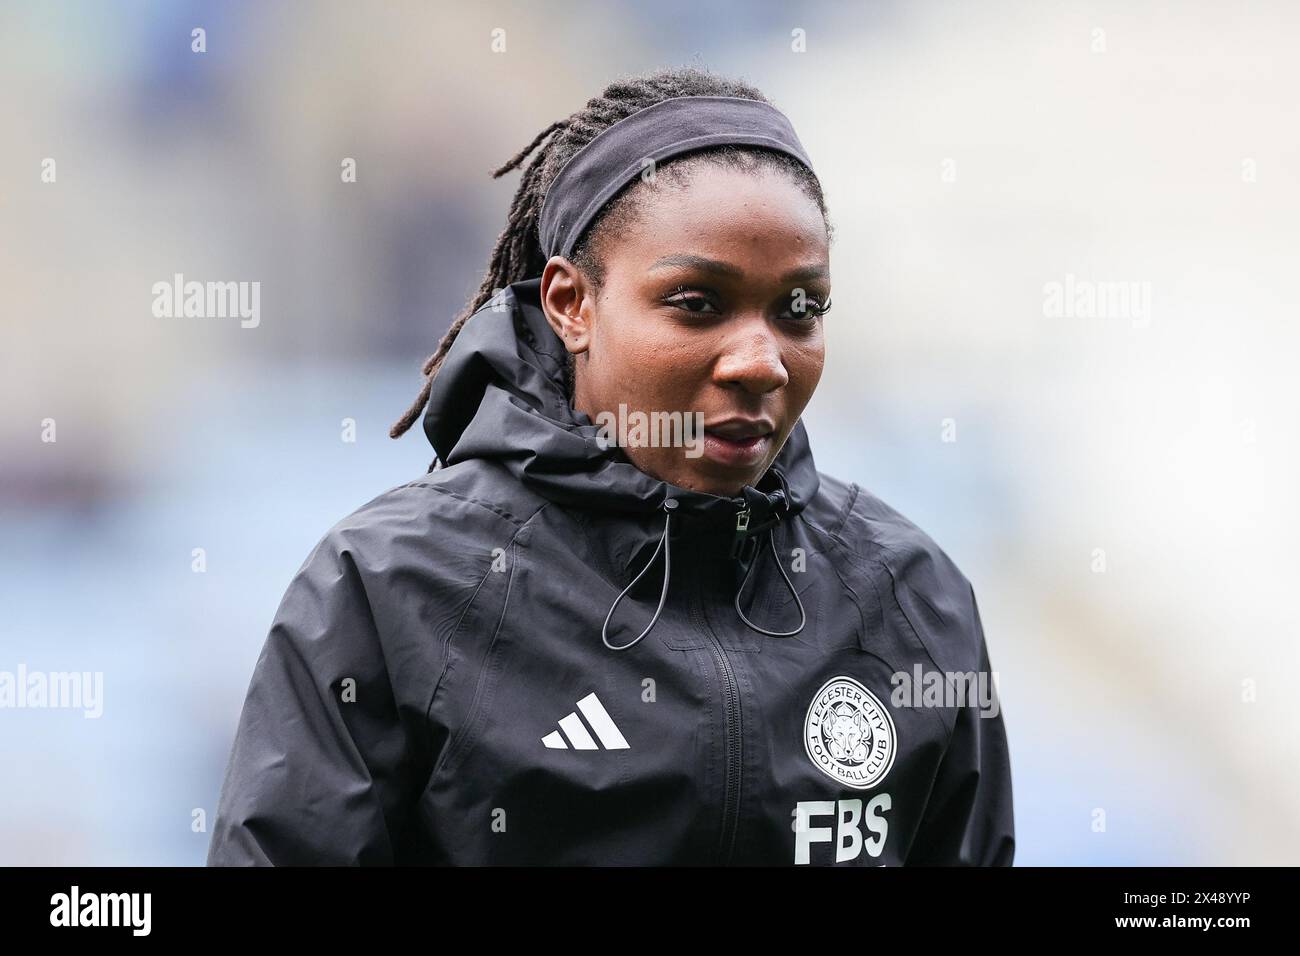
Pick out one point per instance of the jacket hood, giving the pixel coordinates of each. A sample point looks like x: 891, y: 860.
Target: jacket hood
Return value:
x: 500, y: 395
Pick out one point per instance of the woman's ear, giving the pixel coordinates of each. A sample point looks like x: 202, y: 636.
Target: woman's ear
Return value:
x: 568, y: 301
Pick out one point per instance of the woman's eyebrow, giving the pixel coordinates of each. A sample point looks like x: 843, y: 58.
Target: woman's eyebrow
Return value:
x: 806, y: 272
x: 705, y: 264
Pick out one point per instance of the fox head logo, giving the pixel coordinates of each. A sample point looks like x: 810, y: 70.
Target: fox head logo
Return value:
x: 846, y: 734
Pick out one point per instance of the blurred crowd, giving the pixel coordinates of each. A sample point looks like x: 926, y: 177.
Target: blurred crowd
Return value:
x: 1120, y: 488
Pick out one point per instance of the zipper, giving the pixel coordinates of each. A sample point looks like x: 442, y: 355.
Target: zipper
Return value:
x: 731, y: 786
x: 731, y: 698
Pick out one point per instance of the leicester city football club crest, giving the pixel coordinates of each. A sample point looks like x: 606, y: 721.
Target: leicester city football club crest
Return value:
x: 849, y: 734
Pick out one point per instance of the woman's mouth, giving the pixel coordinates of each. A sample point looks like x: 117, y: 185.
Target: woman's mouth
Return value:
x: 742, y: 446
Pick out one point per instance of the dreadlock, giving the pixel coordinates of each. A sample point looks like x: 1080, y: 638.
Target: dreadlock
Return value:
x: 517, y: 254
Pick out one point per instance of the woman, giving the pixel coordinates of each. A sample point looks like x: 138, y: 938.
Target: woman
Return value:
x: 592, y: 634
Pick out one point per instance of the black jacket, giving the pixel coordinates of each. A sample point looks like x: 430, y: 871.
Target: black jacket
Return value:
x: 435, y: 687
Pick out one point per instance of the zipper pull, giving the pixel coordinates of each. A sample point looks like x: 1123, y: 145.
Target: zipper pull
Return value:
x: 739, y: 542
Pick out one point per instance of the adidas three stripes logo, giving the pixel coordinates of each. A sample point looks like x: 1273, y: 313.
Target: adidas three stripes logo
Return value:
x: 576, y: 731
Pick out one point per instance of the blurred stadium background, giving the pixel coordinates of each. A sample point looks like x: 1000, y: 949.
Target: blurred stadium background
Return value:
x: 1122, y: 493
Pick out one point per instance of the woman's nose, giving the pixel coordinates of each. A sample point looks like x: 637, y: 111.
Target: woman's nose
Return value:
x: 751, y: 359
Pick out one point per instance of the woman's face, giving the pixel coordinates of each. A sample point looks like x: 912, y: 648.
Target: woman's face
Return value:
x: 709, y: 306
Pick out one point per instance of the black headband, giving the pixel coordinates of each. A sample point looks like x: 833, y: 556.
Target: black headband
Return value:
x: 595, y: 173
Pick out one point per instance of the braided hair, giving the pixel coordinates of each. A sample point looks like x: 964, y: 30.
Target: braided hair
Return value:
x: 517, y: 254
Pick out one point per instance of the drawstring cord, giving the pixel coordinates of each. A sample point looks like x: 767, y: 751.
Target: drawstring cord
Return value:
x: 665, y: 545
x: 669, y: 506
x: 803, y: 618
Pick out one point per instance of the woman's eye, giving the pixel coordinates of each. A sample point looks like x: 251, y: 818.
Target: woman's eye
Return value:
x: 812, y: 308
x: 696, y: 303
